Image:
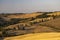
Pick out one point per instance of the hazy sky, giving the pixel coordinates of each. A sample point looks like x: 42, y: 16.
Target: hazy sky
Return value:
x: 27, y: 6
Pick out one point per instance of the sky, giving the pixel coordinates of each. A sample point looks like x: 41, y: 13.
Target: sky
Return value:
x: 28, y: 6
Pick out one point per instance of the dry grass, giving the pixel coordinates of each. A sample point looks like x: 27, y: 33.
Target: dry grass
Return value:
x: 37, y: 36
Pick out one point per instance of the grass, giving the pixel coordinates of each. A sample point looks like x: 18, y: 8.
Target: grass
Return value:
x: 37, y: 36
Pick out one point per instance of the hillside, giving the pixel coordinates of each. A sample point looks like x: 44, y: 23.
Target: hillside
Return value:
x: 21, y: 24
x: 53, y: 24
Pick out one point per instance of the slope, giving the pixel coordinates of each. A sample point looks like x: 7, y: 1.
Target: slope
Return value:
x: 53, y: 24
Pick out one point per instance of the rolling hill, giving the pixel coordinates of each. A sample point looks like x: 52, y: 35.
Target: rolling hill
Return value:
x: 22, y: 24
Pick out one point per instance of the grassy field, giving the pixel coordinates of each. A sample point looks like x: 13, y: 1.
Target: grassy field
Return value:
x: 37, y: 36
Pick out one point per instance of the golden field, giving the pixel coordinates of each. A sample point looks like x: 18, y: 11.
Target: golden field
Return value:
x: 37, y: 36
